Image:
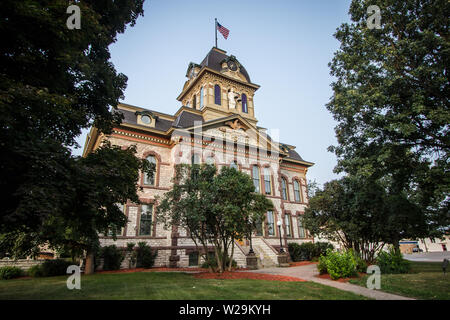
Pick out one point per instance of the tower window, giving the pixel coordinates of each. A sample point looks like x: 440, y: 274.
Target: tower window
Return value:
x: 194, y: 102
x: 244, y: 103
x: 217, y: 97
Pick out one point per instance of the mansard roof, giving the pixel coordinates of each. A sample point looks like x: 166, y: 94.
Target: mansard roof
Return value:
x: 216, y: 56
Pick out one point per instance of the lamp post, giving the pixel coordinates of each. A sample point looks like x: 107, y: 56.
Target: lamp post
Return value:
x: 250, y: 237
x: 279, y: 231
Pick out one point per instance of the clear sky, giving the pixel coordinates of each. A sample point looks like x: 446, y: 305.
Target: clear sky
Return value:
x: 284, y: 45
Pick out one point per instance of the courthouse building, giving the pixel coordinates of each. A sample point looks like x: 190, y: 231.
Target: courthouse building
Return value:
x: 216, y: 123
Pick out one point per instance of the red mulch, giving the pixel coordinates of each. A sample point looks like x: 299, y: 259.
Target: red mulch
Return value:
x: 205, y: 274
x: 328, y: 277
x: 158, y: 269
x: 246, y: 275
x: 301, y: 263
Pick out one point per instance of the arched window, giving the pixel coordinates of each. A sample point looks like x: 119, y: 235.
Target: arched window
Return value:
x: 194, y: 102
x: 297, y: 191
x: 217, y: 97
x: 244, y: 103
x: 267, y: 182
x: 201, y: 98
x: 148, y: 178
x: 234, y: 165
x: 284, y: 191
x: 255, y: 172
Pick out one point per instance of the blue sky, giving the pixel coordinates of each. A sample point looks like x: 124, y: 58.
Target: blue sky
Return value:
x: 284, y: 45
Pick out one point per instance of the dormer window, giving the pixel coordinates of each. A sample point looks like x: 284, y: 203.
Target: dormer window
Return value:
x: 146, y: 118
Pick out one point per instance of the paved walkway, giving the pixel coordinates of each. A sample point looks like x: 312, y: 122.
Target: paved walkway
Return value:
x: 309, y: 272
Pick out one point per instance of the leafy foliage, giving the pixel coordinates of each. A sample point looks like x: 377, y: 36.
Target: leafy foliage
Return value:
x: 145, y: 256
x: 392, y: 262
x: 362, y: 215
x: 216, y: 208
x: 9, y: 272
x: 54, y: 82
x: 308, y: 251
x: 50, y: 268
x: 391, y: 103
x: 338, y: 264
x: 112, y: 257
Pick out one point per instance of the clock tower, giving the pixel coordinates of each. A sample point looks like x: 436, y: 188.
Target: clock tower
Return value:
x: 218, y: 87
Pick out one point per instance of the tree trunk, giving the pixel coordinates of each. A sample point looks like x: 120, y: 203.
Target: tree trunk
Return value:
x: 89, y: 267
x: 230, y: 264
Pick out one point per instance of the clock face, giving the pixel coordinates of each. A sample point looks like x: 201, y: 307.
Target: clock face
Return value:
x: 232, y: 65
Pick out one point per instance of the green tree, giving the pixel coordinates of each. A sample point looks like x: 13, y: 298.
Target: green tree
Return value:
x: 360, y: 215
x: 391, y: 103
x: 216, y: 209
x: 54, y: 82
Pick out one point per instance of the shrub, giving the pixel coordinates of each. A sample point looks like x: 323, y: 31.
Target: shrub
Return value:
x: 393, y: 262
x: 321, y: 248
x: 322, y: 265
x: 361, y: 265
x: 50, y: 268
x: 10, y: 272
x: 35, y: 271
x: 339, y: 264
x: 294, y: 251
x: 132, y: 254
x: 112, y: 257
x: 213, y: 263
x: 145, y: 257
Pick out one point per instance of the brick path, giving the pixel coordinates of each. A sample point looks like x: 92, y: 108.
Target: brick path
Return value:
x: 309, y: 272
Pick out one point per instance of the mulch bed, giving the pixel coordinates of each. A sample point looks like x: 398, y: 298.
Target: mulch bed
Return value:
x: 246, y: 275
x: 201, y: 273
x: 301, y: 263
x: 158, y: 269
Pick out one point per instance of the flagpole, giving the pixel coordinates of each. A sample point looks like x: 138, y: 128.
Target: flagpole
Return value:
x: 215, y: 27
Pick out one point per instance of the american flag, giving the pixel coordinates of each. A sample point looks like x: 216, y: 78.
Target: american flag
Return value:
x: 224, y: 31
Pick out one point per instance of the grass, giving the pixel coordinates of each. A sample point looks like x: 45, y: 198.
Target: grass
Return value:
x: 166, y: 286
x: 425, y: 281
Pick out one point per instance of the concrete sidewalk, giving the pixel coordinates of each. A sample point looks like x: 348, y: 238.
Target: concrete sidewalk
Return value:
x: 309, y: 273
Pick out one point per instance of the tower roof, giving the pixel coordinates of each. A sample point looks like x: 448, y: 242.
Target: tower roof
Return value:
x: 214, y: 59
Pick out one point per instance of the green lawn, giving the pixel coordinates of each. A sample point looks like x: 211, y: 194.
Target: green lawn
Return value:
x: 165, y: 286
x: 425, y: 281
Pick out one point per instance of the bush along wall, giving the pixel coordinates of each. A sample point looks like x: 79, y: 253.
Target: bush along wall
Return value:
x: 145, y: 257
x: 10, y: 272
x: 308, y: 251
